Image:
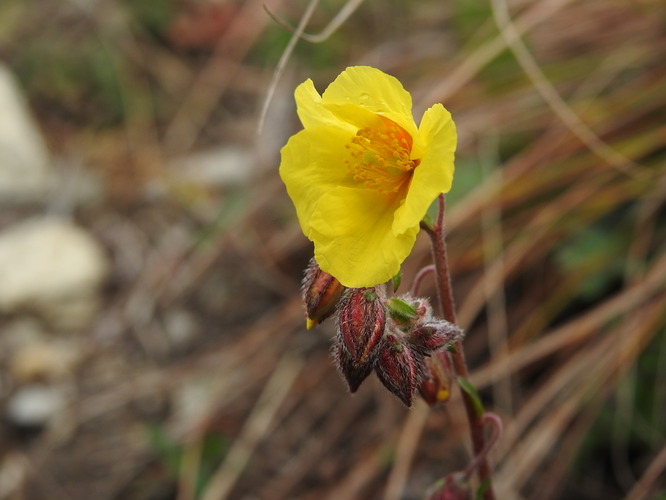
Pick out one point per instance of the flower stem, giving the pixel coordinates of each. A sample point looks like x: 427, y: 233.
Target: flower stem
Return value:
x: 419, y: 278
x: 445, y: 294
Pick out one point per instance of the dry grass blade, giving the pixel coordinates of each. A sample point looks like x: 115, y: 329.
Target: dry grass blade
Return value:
x: 341, y: 17
x: 646, y: 483
x: 284, y: 58
x: 213, y: 80
x: 298, y: 33
x: 579, y: 329
x: 405, y: 451
x: 572, y: 384
x: 554, y: 100
x: 474, y: 62
x: 493, y: 279
x: 256, y: 426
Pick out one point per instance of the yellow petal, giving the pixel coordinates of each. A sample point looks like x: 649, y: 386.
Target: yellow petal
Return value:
x: 313, y: 163
x: 372, y: 90
x: 351, y: 230
x: 310, y: 110
x: 434, y: 174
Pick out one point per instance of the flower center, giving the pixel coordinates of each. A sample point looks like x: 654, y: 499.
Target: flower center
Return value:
x: 380, y: 157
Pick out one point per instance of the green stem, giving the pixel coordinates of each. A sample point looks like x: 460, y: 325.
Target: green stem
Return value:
x: 445, y: 294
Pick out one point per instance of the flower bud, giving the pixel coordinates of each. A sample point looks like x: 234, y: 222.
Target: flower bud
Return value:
x: 429, y: 337
x: 399, y: 368
x: 436, y: 388
x: 408, y: 311
x: 321, y: 293
x: 430, y: 392
x: 401, y: 311
x: 433, y: 390
x: 361, y: 323
x: 353, y: 374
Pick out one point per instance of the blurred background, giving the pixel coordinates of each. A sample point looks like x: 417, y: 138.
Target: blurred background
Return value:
x: 152, y: 340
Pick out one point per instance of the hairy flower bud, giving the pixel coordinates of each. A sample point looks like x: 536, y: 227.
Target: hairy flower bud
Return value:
x: 428, y: 391
x: 361, y: 323
x: 435, y: 389
x: 321, y: 293
x: 408, y: 311
x: 399, y: 368
x: 429, y: 337
x: 354, y: 374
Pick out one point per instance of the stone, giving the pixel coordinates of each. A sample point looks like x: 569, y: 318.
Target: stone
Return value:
x: 51, y: 266
x: 35, y: 405
x: 181, y: 328
x: 219, y: 167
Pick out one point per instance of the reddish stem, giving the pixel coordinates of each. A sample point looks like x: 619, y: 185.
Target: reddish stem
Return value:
x: 419, y: 278
x: 496, y: 427
x: 445, y: 294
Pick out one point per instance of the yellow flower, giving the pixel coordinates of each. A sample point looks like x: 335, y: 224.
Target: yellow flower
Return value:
x: 362, y: 174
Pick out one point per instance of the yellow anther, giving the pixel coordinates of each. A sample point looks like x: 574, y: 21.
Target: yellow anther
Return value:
x: 379, y: 157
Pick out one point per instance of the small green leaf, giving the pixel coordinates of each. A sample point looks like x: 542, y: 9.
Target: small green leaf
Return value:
x: 401, y: 310
x: 396, y: 280
x: 483, y: 487
x: 428, y: 222
x: 466, y: 386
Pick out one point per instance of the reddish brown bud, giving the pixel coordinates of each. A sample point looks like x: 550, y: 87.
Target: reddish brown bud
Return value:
x: 428, y: 390
x: 436, y: 388
x: 399, y: 368
x: 434, y: 391
x: 423, y: 308
x: 432, y: 336
x: 361, y: 323
x: 353, y: 374
x: 321, y: 293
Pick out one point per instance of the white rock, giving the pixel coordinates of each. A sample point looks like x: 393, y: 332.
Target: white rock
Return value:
x: 25, y: 173
x: 181, y: 328
x: 221, y: 167
x: 48, y: 262
x: 35, y: 405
